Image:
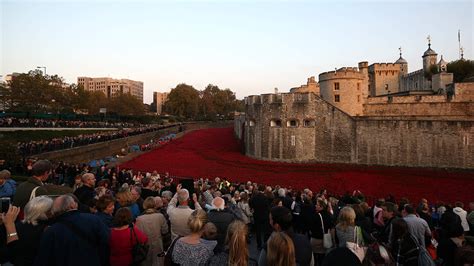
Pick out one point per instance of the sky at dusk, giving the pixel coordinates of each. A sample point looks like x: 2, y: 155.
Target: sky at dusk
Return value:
x: 250, y: 47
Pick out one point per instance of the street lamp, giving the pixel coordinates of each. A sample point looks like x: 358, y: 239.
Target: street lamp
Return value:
x: 38, y: 67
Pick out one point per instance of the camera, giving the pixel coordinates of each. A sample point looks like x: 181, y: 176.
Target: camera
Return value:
x: 5, y: 204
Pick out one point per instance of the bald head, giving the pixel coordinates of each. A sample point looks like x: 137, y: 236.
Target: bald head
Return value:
x: 218, y: 203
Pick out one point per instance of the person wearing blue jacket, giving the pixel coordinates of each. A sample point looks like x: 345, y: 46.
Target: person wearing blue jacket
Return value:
x: 7, y: 185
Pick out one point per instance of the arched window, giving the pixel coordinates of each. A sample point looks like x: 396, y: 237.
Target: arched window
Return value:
x: 252, y: 123
x: 292, y: 123
x: 275, y: 123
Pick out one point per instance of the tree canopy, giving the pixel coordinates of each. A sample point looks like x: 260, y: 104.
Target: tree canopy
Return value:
x: 210, y: 104
x: 34, y: 92
x: 461, y: 69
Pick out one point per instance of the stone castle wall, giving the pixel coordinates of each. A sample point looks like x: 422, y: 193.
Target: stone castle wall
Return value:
x: 305, y: 128
x: 352, y: 90
x: 416, y: 143
x: 384, y: 78
x: 322, y: 131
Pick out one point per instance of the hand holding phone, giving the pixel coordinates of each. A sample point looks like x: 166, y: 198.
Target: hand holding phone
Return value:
x: 5, y: 204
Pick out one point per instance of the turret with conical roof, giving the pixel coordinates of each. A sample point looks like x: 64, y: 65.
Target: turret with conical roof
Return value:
x: 402, y: 62
x: 429, y: 57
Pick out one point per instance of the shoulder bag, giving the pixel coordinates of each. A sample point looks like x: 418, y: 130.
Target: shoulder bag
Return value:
x: 139, y: 250
x: 327, y: 238
x: 357, y: 249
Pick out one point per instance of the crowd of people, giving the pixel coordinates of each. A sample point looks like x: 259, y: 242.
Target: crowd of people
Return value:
x: 111, y: 216
x: 40, y: 146
x: 60, y: 123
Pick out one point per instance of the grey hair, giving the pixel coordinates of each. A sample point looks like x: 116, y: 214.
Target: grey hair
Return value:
x: 63, y: 204
x: 36, y: 209
x: 167, y: 194
x: 218, y: 203
x: 86, y: 176
x: 281, y: 192
x: 183, y: 195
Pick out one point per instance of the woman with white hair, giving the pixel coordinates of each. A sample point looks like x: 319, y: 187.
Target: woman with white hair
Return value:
x: 26, y: 240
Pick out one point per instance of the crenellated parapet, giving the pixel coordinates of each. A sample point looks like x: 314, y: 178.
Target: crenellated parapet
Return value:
x: 342, y: 73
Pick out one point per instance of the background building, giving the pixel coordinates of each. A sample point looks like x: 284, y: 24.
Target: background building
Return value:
x: 111, y: 87
x: 159, y: 99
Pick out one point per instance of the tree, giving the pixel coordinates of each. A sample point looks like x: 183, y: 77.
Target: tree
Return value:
x: 461, y: 69
x: 183, y: 101
x: 125, y: 104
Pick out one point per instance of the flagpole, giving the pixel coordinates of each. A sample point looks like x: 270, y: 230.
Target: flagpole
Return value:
x: 459, y: 42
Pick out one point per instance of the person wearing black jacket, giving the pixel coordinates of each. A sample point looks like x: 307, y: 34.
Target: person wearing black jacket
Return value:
x: 320, y: 219
x: 261, y: 206
x: 86, y: 193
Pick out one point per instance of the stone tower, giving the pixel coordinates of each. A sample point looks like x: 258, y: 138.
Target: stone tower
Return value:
x: 403, y: 64
x: 430, y: 57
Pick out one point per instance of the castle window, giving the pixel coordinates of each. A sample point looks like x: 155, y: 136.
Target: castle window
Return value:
x: 308, y: 123
x: 293, y: 140
x: 336, y: 86
x: 251, y: 123
x: 337, y: 98
x: 386, y: 87
x: 292, y: 123
x: 358, y: 86
x: 358, y: 98
x: 275, y: 123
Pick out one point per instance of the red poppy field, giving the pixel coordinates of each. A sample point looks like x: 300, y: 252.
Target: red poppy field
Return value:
x: 215, y: 152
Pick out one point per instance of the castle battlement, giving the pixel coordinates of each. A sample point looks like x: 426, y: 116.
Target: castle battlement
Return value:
x: 385, y: 66
x: 342, y: 73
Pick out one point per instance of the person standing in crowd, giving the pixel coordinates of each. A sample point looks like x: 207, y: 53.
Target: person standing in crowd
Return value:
x: 125, y: 199
x: 261, y: 206
x: 136, y: 196
x: 403, y: 244
x: 122, y: 238
x: 147, y: 189
x: 243, y: 205
x: 236, y: 250
x: 23, y: 250
x: 74, y: 239
x: 321, y: 223
x: 7, y: 185
x: 281, y: 221
x: 105, y: 208
x: 418, y: 227
x: 346, y: 227
x: 208, y: 195
x: 280, y: 250
x: 459, y: 210
x: 86, y: 193
x: 470, y: 218
x: 192, y: 249
x: 179, y: 215
x: 153, y: 224
x: 26, y: 190
x: 221, y: 218
x: 389, y: 211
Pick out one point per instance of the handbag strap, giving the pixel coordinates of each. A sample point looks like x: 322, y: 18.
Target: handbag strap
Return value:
x: 322, y: 222
x: 355, y: 236
x: 132, y: 233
